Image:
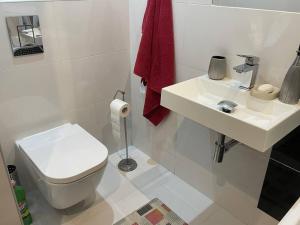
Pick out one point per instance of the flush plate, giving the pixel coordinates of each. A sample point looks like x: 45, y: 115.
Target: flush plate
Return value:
x: 257, y: 123
x: 25, y: 35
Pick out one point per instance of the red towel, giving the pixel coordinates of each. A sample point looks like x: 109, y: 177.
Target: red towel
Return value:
x: 155, y: 61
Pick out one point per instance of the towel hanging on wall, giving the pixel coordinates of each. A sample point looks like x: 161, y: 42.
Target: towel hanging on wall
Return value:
x: 155, y: 62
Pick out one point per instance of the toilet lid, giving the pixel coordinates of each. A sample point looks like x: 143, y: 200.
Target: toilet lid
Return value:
x: 64, y: 154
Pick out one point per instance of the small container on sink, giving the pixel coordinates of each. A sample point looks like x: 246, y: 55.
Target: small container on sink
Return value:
x: 217, y: 68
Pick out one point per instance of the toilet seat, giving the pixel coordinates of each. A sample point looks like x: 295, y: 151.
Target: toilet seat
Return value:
x: 64, y: 154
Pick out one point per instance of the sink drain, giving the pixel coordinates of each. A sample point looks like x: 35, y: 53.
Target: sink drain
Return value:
x: 227, y: 106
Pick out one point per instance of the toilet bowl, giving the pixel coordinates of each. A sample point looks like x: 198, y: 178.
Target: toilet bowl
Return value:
x: 66, y: 163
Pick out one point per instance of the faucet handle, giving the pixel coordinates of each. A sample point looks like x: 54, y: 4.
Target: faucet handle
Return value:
x: 250, y: 59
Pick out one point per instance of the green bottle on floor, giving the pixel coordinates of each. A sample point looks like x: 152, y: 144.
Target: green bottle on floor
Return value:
x: 21, y: 199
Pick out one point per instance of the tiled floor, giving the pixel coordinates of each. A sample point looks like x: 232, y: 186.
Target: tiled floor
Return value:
x: 119, y: 194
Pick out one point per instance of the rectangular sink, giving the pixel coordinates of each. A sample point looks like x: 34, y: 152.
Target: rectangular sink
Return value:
x: 256, y: 123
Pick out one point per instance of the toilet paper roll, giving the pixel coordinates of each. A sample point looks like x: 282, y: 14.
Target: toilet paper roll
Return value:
x: 119, y: 109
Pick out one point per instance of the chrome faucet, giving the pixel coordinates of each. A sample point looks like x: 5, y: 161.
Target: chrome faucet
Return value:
x: 250, y: 65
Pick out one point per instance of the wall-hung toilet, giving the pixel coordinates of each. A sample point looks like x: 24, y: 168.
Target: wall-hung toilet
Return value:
x: 66, y: 163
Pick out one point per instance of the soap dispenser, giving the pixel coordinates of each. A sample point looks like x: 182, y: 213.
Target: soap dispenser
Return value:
x: 290, y: 90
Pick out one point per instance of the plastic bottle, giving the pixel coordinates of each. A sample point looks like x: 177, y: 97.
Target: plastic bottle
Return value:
x: 21, y: 199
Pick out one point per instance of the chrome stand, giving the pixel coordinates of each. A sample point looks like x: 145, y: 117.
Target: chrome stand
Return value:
x: 127, y: 164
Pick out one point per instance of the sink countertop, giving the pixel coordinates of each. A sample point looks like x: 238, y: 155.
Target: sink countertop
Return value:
x: 263, y: 123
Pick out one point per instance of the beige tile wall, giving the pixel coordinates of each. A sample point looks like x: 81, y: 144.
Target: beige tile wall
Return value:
x: 8, y: 209
x: 86, y: 59
x: 185, y: 147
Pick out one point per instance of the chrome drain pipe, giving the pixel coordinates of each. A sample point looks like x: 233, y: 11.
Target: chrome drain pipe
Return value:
x: 221, y: 147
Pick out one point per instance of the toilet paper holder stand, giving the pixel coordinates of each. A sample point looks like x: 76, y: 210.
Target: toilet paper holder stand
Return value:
x: 126, y: 164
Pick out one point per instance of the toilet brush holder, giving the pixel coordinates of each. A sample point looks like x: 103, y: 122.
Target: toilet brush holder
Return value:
x: 127, y: 164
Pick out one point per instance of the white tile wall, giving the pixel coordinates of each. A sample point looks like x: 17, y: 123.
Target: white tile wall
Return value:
x: 269, y: 35
x: 86, y: 59
x: 202, y: 30
x: 290, y: 5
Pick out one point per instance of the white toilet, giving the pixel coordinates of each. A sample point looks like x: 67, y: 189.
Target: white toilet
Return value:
x: 66, y: 163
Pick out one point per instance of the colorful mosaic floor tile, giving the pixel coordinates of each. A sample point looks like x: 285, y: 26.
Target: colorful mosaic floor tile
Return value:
x: 154, y: 213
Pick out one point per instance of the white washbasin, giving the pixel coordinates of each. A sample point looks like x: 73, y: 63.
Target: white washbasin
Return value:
x: 256, y: 123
